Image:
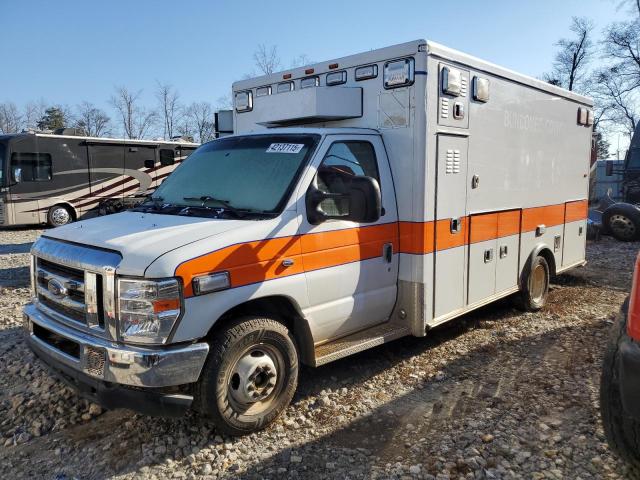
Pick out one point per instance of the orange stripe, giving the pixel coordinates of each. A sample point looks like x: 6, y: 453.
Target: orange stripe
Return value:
x: 484, y: 227
x: 257, y: 261
x: 416, y: 237
x: 578, y: 210
x: 508, y: 223
x: 548, y: 216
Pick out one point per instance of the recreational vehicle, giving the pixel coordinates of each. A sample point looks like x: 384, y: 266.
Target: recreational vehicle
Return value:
x: 55, y: 179
x: 360, y: 200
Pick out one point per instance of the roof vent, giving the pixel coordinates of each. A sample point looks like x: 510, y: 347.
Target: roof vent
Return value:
x: 74, y: 132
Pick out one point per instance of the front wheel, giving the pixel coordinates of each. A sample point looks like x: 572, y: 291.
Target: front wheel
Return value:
x: 59, y: 215
x: 250, y: 376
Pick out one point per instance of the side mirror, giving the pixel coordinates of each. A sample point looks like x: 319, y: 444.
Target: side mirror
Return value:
x: 609, y: 168
x: 17, y: 174
x: 361, y: 202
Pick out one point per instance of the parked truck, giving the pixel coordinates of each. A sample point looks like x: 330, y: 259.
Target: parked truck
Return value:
x: 360, y: 200
x: 58, y: 178
x: 620, y: 215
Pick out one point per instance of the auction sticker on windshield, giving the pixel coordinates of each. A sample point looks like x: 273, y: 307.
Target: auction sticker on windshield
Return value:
x: 285, y: 148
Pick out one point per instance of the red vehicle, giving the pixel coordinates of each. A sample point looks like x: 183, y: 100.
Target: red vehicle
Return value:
x: 620, y: 382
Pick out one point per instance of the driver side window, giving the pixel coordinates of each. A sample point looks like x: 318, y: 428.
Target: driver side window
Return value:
x: 343, y: 161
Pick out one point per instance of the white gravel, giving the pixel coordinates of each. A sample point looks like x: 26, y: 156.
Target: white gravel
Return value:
x: 496, y: 394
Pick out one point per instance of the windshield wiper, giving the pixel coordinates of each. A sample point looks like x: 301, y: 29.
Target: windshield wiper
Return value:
x: 209, y: 199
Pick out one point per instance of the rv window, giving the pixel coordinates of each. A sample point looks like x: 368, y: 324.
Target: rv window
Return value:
x: 167, y: 157
x: 2, y: 155
x: 343, y: 160
x: 35, y: 167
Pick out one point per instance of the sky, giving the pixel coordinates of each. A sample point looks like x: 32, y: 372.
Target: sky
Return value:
x: 68, y: 51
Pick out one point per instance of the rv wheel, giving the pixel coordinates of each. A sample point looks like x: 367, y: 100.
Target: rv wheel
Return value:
x: 250, y: 376
x: 535, y: 286
x: 59, y: 215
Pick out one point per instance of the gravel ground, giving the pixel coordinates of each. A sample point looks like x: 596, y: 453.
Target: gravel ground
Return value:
x: 496, y: 394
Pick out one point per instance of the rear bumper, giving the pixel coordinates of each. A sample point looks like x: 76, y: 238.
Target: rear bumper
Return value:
x: 116, y: 375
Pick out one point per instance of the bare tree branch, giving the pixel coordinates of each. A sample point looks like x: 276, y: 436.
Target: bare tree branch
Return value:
x: 200, y: 117
x: 92, y: 120
x: 266, y: 59
x: 11, y: 121
x: 136, y: 120
x: 571, y: 62
x: 170, y: 108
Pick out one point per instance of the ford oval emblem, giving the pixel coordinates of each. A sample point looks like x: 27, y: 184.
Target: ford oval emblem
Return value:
x: 56, y: 288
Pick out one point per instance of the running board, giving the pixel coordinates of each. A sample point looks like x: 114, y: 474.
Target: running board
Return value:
x: 358, y: 342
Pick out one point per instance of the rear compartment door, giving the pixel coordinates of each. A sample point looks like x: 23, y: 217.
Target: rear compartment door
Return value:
x: 451, y: 224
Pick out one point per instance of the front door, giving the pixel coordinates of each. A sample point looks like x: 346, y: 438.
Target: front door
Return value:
x: 351, y: 268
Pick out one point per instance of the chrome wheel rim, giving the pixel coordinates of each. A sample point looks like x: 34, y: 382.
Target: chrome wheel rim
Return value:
x: 255, y: 380
x: 622, y: 226
x: 60, y: 216
x: 538, y: 283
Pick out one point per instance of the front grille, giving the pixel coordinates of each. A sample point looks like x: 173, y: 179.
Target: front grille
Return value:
x: 70, y: 292
x: 58, y: 342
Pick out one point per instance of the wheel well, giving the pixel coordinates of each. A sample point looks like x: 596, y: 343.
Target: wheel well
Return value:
x: 549, y: 257
x: 279, y: 308
x: 68, y: 206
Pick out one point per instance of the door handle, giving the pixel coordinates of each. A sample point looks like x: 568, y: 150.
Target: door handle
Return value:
x: 387, y: 252
x: 475, y: 181
x: 456, y: 225
x: 488, y: 255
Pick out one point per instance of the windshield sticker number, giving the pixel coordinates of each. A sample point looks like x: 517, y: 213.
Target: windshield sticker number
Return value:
x: 285, y: 148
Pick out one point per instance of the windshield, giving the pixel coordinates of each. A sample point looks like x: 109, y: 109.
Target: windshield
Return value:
x: 254, y: 173
x: 633, y: 159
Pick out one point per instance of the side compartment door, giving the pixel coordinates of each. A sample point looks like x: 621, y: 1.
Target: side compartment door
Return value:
x: 508, y: 250
x: 138, y: 160
x: 351, y: 268
x: 483, y: 243
x: 451, y: 224
x: 106, y: 170
x: 575, y: 232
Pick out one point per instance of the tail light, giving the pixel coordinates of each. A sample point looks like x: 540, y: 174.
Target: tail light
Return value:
x: 633, y: 322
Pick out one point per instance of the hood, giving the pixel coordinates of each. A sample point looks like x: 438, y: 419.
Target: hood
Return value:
x: 142, y: 237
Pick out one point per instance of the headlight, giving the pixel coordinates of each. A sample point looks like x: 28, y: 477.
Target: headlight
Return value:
x: 148, y: 309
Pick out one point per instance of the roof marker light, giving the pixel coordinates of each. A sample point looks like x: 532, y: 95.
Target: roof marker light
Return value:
x: 333, y: 66
x: 308, y: 71
x: 286, y: 76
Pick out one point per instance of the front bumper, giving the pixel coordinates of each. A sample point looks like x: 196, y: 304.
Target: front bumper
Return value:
x: 113, y: 374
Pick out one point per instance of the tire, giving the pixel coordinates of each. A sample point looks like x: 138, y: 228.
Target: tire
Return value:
x: 243, y: 358
x: 622, y: 431
x: 59, y: 215
x: 622, y: 221
x: 535, y: 286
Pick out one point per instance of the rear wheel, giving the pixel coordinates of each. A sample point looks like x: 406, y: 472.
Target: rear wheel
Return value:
x: 623, y: 222
x: 250, y: 376
x: 59, y: 215
x: 535, y: 286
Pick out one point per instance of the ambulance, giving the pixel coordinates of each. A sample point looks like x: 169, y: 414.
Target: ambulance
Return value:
x: 360, y: 200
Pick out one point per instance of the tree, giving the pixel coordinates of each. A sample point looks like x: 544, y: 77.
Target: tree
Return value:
x: 201, y: 120
x: 266, y: 59
x: 602, y: 146
x: 170, y: 108
x: 301, y: 60
x: 136, y: 120
x: 34, y: 111
x: 94, y: 121
x: 53, y: 118
x: 571, y: 63
x: 11, y: 121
